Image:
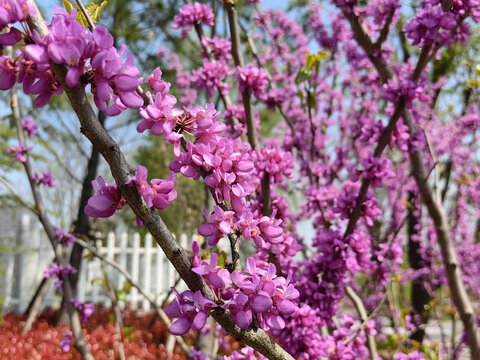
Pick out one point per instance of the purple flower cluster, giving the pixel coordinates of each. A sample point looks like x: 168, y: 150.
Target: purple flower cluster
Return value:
x: 197, y: 354
x: 322, y: 280
x: 8, y: 72
x: 403, y: 86
x: 30, y: 126
x: 255, y: 290
x: 160, y: 194
x: 57, y: 271
x: 193, y: 14
x: 273, y: 160
x: 46, y: 179
x: 12, y: 11
x: 226, y: 162
x: 191, y: 309
x: 20, y: 150
x: 347, y: 199
x: 416, y: 355
x: 252, y: 79
x: 247, y: 353
x: 211, y: 76
x: 300, y: 336
x: 376, y: 170
x: 235, y: 116
x: 431, y: 24
x: 213, y: 273
x: 67, y: 341
x: 380, y: 10
x: 219, y: 48
x: 65, y: 238
x: 106, y: 201
x: 85, y: 310
x: 91, y: 59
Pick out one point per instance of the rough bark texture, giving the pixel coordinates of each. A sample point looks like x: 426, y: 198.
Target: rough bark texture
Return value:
x: 420, y: 296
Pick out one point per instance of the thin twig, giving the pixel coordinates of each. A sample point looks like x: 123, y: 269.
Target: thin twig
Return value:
x: 362, y: 312
x: 364, y: 321
x: 17, y: 196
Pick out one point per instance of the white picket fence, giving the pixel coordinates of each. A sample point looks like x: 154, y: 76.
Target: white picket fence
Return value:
x: 21, y: 270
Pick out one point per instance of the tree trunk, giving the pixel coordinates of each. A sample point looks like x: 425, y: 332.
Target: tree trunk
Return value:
x: 420, y: 296
x: 81, y: 226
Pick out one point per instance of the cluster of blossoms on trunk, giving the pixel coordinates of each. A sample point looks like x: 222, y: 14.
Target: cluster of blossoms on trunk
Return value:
x: 335, y: 117
x: 255, y: 293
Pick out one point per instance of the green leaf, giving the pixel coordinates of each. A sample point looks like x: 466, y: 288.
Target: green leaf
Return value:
x: 68, y: 6
x: 121, y: 295
x: 93, y: 11
x: 303, y: 75
x: 477, y: 70
x: 128, y: 330
x: 127, y: 285
x: 313, y: 60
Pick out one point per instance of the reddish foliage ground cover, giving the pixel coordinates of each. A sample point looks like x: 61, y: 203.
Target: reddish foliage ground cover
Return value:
x: 43, y: 341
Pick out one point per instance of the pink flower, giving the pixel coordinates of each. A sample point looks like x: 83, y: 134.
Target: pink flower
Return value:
x: 65, y: 239
x: 85, y: 310
x: 106, y: 202
x: 57, y: 271
x: 46, y: 179
x: 192, y: 14
x: 8, y: 72
x: 211, y: 76
x: 160, y: 194
x: 30, y: 126
x: 252, y: 80
x: 67, y: 341
x: 191, y: 309
x: 20, y: 150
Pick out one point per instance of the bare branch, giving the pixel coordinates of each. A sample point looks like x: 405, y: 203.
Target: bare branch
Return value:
x: 362, y: 312
x: 385, y: 30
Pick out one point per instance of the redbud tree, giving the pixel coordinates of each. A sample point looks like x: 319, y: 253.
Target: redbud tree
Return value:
x: 375, y: 139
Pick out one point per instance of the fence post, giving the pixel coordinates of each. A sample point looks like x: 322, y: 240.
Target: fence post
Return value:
x: 135, y: 265
x: 27, y: 278
x: 7, y: 281
x: 82, y: 281
x: 122, y: 258
x: 147, y: 270
x: 159, y: 272
x: 95, y: 272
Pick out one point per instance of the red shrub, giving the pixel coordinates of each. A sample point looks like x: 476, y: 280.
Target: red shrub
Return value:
x: 43, y: 341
